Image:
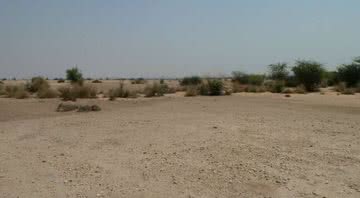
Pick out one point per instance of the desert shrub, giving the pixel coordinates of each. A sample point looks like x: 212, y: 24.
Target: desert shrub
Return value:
x: 162, y: 81
x: 154, y: 89
x: 340, y: 87
x: 96, y: 81
x: 243, y: 78
x: 308, y: 73
x: 16, y: 91
x: 331, y: 78
x: 36, y: 84
x: 300, y: 89
x: 121, y: 92
x: 60, y: 81
x: 47, y: 92
x: 193, y: 80
x: 216, y: 87
x: 240, y: 77
x: 291, y: 81
x: 278, y: 71
x: 74, y: 75
x: 204, y: 88
x: 255, y: 89
x: 288, y: 91
x: 192, y: 90
x: 138, y: 81
x: 237, y: 87
x: 350, y: 74
x: 256, y: 79
x: 275, y: 86
x: 348, y: 91
x: 77, y: 91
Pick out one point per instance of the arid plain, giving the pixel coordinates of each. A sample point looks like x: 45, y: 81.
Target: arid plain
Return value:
x: 243, y: 145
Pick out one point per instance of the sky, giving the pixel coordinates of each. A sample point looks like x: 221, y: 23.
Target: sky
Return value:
x: 172, y: 38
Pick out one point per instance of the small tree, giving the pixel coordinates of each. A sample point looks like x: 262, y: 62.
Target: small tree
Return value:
x: 308, y: 73
x: 278, y: 71
x: 74, y: 75
x: 350, y: 74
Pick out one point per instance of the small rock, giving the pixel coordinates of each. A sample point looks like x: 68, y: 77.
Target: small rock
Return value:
x: 287, y: 95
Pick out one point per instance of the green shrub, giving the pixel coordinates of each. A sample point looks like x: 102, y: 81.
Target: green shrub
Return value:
x: 36, y: 83
x: 243, y: 78
x: 278, y: 71
x: 154, y: 90
x: 193, y: 80
x: 192, y: 90
x: 331, y: 78
x: 291, y: 81
x: 275, y: 86
x: 216, y: 87
x: 309, y: 73
x: 350, y: 74
x: 74, y: 75
x: 240, y: 77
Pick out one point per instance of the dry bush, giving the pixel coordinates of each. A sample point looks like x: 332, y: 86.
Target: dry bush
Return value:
x: 36, y: 84
x: 61, y: 81
x: 275, y: 86
x: 16, y: 91
x: 340, y: 87
x: 300, y: 89
x: 154, y: 90
x: 77, y: 91
x: 288, y: 91
x: 348, y: 91
x: 237, y: 87
x: 121, y: 92
x: 192, y: 91
x: 96, y: 81
x: 255, y: 89
x: 47, y: 93
x: 2, y: 89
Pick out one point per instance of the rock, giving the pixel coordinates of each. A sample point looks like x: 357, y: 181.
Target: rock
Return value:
x: 288, y: 95
x: 64, y: 107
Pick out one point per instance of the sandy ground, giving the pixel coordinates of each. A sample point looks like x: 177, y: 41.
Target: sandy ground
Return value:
x: 245, y: 145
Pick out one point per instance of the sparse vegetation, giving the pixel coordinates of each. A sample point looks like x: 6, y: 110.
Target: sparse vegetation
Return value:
x: 192, y: 90
x: 138, y: 81
x: 154, y: 90
x: 16, y: 91
x: 96, y: 81
x: 216, y: 87
x: 47, y: 93
x: 278, y: 71
x: 36, y: 84
x: 77, y: 91
x: 121, y: 92
x: 309, y: 73
x: 350, y: 74
x: 193, y: 80
x: 74, y: 75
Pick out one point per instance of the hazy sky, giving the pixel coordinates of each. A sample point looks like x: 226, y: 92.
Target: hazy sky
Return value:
x: 168, y: 38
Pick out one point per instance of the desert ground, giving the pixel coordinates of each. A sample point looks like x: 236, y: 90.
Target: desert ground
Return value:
x: 243, y: 145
